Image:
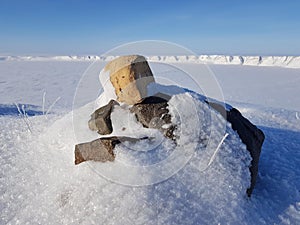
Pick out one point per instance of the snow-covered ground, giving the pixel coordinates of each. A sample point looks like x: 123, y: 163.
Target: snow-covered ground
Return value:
x: 41, y: 184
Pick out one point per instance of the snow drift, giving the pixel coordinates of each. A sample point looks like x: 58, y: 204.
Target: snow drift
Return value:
x: 50, y: 189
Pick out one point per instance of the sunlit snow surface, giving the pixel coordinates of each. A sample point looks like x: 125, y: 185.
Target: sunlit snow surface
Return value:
x: 41, y: 184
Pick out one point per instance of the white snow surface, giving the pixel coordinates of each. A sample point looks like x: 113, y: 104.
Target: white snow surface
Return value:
x: 41, y: 185
x: 281, y: 61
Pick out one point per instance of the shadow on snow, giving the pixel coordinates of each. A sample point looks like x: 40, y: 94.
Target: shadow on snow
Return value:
x: 278, y: 182
x: 12, y: 110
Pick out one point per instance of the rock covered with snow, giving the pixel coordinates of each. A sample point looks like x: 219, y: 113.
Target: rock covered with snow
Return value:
x: 194, y: 193
x: 152, y: 111
x: 250, y: 135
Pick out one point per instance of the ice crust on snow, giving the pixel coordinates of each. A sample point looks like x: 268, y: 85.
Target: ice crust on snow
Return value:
x: 281, y: 61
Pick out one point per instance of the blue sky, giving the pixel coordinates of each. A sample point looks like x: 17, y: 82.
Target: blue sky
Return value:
x: 206, y: 27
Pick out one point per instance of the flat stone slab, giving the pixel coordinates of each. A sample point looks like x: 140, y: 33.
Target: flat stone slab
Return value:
x: 101, y: 149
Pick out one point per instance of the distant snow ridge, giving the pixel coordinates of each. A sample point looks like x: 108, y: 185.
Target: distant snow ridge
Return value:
x: 281, y: 61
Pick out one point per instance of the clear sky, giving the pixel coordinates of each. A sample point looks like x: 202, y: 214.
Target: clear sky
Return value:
x: 63, y: 27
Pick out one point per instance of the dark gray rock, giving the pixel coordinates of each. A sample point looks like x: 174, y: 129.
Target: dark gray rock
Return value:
x: 250, y: 135
x: 152, y: 112
x: 100, y: 120
x: 100, y: 149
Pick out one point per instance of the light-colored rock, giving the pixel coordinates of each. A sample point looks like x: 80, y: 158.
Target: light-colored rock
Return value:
x: 130, y: 76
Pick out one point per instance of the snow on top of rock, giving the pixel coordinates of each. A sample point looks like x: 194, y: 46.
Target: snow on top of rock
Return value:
x: 63, y: 192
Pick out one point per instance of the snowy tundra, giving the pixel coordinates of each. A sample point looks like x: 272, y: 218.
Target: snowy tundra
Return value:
x: 41, y: 185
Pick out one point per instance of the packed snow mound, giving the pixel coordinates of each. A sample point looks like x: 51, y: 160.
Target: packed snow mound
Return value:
x: 281, y: 61
x: 51, y: 189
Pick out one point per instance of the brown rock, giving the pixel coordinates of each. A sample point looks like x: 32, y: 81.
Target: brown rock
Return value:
x: 100, y: 120
x: 130, y: 76
x: 100, y: 149
x: 152, y: 112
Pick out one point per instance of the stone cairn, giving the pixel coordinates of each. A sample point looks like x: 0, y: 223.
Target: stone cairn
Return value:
x: 130, y: 76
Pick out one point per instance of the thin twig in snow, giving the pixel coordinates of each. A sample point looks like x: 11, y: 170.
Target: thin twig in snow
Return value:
x: 23, y: 116
x: 52, y: 105
x: 26, y: 115
x: 44, y: 96
x: 217, y: 149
